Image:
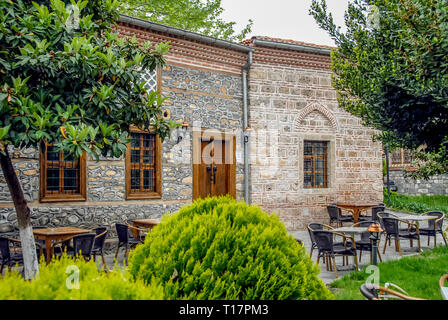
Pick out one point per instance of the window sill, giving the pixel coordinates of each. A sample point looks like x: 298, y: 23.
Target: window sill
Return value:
x: 64, y: 198
x: 143, y: 196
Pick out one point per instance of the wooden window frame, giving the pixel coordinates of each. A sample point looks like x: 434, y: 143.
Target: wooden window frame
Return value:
x: 313, y: 158
x: 157, y: 194
x: 62, y: 197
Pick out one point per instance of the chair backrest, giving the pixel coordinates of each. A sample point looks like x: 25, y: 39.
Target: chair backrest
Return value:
x: 369, y: 291
x: 4, y: 249
x: 324, y: 240
x: 99, y: 241
x: 431, y: 223
x: 122, y: 232
x: 333, y: 212
x: 313, y: 227
x: 366, y: 235
x: 380, y: 215
x: 83, y: 244
x: 375, y: 211
x: 391, y: 225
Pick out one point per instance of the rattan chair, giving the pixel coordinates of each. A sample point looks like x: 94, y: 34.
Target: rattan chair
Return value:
x: 365, y: 243
x: 391, y: 227
x: 328, y: 250
x: 434, y: 226
x: 375, y: 292
x: 8, y: 257
x: 335, y: 214
x: 443, y: 289
x: 98, y: 244
x: 82, y: 245
x: 125, y: 238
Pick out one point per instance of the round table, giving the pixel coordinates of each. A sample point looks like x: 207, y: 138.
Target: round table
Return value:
x: 356, y: 208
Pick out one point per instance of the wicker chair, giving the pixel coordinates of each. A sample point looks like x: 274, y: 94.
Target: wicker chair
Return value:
x: 365, y: 244
x: 370, y: 291
x: 9, y: 258
x: 391, y: 227
x: 98, y: 244
x: 126, y: 240
x: 335, y: 214
x: 434, y: 226
x: 327, y: 249
x: 82, y: 245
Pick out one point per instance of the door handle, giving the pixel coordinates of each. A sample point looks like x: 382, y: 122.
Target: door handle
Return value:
x: 214, y: 174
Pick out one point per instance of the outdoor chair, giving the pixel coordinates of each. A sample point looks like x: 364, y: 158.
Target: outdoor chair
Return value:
x: 9, y: 257
x: 320, y: 226
x: 443, y: 289
x: 335, y: 214
x: 125, y: 239
x: 98, y: 244
x: 391, y: 227
x: 327, y: 249
x: 82, y: 245
x: 375, y: 211
x: 314, y: 227
x: 370, y: 291
x: 434, y: 226
x: 365, y: 243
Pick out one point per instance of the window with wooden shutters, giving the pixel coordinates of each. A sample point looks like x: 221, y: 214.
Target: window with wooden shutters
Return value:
x: 315, y: 164
x: 143, y: 166
x: 63, y: 177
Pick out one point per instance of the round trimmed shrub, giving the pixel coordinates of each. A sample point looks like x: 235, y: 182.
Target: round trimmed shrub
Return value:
x: 218, y: 248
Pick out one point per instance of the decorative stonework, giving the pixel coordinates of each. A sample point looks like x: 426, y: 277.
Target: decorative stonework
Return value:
x: 316, y: 110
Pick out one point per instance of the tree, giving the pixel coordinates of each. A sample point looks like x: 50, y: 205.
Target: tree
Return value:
x: 391, y: 69
x: 68, y: 80
x: 192, y: 15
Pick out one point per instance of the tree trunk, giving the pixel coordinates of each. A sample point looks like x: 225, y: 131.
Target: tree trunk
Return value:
x: 30, y: 261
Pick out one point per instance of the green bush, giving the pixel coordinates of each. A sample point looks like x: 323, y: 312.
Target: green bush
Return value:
x: 218, y: 248
x: 56, y: 281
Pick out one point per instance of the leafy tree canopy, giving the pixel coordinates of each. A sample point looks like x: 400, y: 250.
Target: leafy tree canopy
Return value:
x: 192, y: 15
x: 391, y: 69
x: 67, y: 78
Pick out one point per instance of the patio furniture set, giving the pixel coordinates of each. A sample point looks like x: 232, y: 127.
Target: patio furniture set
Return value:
x: 52, y: 242
x: 340, y: 241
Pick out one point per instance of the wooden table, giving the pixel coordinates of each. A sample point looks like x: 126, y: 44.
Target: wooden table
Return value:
x: 144, y: 223
x: 356, y: 208
x: 60, y: 233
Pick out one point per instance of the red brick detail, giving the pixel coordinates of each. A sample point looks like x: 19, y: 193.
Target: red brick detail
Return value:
x: 189, y: 52
x: 316, y: 107
x: 283, y: 57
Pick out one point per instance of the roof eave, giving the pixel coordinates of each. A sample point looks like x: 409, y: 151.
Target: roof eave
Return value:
x: 290, y: 46
x: 183, y: 33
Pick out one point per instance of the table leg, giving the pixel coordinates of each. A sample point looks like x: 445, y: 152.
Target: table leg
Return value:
x: 48, y: 249
x: 356, y: 213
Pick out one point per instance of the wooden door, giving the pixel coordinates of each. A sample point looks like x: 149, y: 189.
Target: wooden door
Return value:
x: 214, y: 171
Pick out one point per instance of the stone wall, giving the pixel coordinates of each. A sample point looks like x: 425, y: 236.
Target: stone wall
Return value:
x: 204, y: 99
x: 437, y: 185
x: 290, y: 104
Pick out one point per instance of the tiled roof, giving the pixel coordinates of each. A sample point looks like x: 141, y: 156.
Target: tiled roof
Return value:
x: 249, y: 42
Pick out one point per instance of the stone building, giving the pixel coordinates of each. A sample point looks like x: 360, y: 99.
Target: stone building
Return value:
x: 260, y: 122
x: 306, y: 152
x: 400, y: 161
x: 203, y: 82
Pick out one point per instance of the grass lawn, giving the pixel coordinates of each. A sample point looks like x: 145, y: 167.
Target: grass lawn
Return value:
x: 417, y: 204
x: 418, y: 275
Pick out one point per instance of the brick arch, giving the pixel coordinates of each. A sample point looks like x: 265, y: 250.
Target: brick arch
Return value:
x: 316, y: 107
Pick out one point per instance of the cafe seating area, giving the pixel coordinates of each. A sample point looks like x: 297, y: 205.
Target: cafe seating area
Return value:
x: 371, y: 228
x: 51, y: 242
